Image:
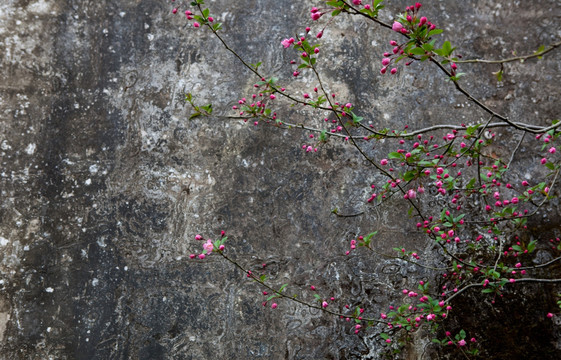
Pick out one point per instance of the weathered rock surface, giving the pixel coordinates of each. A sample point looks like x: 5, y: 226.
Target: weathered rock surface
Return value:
x: 104, y: 182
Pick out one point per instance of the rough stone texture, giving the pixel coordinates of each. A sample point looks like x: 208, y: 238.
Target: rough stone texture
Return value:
x: 104, y: 181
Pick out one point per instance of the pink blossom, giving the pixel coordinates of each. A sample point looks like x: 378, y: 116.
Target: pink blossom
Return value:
x: 192, y: 256
x: 411, y: 194
x: 174, y: 11
x: 525, y: 183
x: 324, y: 304
x: 198, y: 237
x: 552, y: 150
x: 393, y: 71
x: 397, y: 26
x: 316, y: 15
x: 543, y: 161
x: 202, y: 256
x: 422, y: 21
x: 357, y: 2
x: 462, y: 342
x: 208, y: 246
x: 384, y: 161
x: 286, y: 43
x: 386, y: 61
x: 274, y: 306
x: 196, y: 24
x: 550, y: 315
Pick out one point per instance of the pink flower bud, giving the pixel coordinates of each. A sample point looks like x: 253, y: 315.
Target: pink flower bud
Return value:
x: 397, y: 26
x: 196, y: 24
x: 393, y: 71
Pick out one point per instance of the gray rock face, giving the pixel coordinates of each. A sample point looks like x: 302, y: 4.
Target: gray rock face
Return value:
x: 105, y: 181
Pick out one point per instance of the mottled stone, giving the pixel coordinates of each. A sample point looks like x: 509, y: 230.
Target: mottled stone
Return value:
x: 105, y: 181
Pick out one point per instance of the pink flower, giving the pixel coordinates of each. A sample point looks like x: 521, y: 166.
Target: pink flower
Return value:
x: 274, y: 306
x: 422, y: 21
x: 384, y: 161
x: 357, y: 2
x: 393, y: 71
x: 198, y: 237
x: 208, y: 246
x: 324, y: 304
x: 192, y: 256
x: 174, y: 11
x: 316, y: 15
x: 320, y: 34
x: 202, y: 256
x: 550, y: 315
x: 411, y: 194
x: 286, y: 43
x: 543, y: 160
x: 196, y: 24
x: 552, y: 150
x: 462, y: 342
x: 386, y: 61
x: 397, y: 26
x: 525, y: 183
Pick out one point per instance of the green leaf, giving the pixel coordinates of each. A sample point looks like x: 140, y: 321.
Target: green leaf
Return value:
x: 395, y: 155
x: 194, y: 115
x: 550, y: 166
x: 206, y: 12
x: 417, y: 51
x: 283, y: 287
x: 427, y: 47
x: 435, y: 32
x: 356, y: 119
x: 540, y: 50
x: 499, y: 75
x: 532, y: 246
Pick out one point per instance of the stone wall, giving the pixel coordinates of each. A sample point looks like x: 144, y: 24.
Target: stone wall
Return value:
x: 105, y: 181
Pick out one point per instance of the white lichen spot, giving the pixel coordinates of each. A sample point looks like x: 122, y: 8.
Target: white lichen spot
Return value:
x: 122, y: 14
x: 40, y: 7
x: 49, y: 329
x: 30, y: 149
x: 49, y: 289
x: 150, y: 37
x: 88, y: 182
x: 94, y: 169
x: 95, y: 281
x: 3, y: 241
